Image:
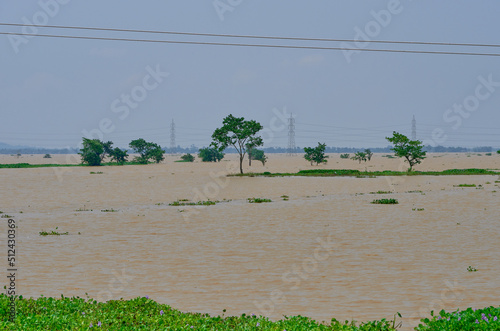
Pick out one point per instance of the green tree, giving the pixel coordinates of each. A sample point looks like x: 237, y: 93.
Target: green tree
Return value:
x: 369, y: 154
x: 411, y: 150
x: 187, y: 158
x: 257, y: 155
x: 360, y: 156
x: 147, y: 151
x: 92, y: 152
x: 210, y: 154
x: 118, y: 155
x: 316, y: 154
x: 237, y: 132
x: 157, y: 154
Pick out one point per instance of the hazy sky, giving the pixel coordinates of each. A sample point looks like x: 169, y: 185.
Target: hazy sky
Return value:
x: 54, y: 91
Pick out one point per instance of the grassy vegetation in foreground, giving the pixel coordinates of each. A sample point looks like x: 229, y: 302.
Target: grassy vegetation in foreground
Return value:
x: 371, y: 174
x: 145, y: 314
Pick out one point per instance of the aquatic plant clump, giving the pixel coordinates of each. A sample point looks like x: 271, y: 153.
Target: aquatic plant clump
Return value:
x: 385, y: 202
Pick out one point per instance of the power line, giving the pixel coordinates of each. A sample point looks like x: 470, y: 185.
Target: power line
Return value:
x: 254, y: 36
x: 250, y: 45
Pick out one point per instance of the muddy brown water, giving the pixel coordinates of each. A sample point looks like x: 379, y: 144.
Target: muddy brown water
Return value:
x: 326, y: 252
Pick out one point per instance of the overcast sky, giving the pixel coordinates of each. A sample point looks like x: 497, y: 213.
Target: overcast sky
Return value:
x: 53, y: 91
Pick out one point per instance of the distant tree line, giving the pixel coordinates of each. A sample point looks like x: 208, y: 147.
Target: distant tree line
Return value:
x: 269, y: 150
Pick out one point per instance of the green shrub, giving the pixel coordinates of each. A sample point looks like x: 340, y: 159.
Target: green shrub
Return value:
x: 210, y: 154
x: 47, y: 156
x: 344, y: 156
x: 187, y: 158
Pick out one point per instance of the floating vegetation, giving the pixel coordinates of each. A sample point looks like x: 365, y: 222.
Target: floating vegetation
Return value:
x: 471, y: 269
x: 53, y: 233
x: 109, y: 210
x: 385, y: 202
x: 258, y: 200
x: 465, y: 185
x: 96, y: 173
x: 418, y: 209
x: 199, y: 203
x: 381, y: 192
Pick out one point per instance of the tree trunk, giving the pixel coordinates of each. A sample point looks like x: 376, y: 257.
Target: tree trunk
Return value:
x: 241, y: 164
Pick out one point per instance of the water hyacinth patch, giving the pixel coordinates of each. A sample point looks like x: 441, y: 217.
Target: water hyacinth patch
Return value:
x: 145, y: 314
x: 469, y: 319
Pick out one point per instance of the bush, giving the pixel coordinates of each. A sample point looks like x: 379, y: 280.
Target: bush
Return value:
x: 344, y: 156
x: 187, y: 158
x: 258, y: 155
x: 210, y: 154
x: 147, y: 151
x: 47, y: 156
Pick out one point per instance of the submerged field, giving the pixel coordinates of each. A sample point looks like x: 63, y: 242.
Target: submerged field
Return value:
x: 320, y: 248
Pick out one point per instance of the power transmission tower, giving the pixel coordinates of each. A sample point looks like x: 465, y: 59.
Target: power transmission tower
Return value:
x: 291, y: 136
x: 413, y: 129
x: 172, y: 138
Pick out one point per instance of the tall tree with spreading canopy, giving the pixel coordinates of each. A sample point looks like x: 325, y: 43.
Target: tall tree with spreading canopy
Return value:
x: 237, y: 132
x: 411, y: 150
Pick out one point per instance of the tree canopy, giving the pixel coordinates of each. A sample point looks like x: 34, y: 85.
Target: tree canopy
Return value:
x: 92, y: 152
x: 210, y: 154
x: 147, y: 151
x: 237, y: 132
x: 316, y: 154
x: 411, y: 150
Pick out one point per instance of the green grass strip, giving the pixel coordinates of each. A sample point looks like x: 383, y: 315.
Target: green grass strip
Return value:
x: 372, y: 174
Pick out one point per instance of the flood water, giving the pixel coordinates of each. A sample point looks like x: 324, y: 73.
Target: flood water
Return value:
x: 325, y: 253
